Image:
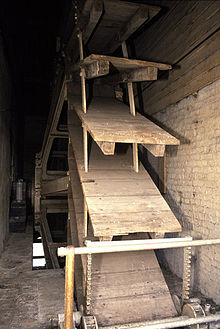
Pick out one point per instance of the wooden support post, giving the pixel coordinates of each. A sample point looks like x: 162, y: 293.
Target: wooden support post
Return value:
x: 85, y: 217
x: 82, y: 73
x: 85, y: 148
x: 83, y: 86
x: 132, y: 109
x: 135, y: 156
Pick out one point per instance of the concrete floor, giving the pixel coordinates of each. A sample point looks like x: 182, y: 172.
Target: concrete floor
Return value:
x: 28, y: 299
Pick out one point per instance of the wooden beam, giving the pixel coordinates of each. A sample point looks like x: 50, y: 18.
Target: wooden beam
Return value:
x: 157, y: 150
x: 141, y: 16
x: 97, y: 69
x: 91, y: 22
x: 124, y: 63
x: 136, y: 75
x: 108, y: 148
x: 48, y: 239
x: 55, y: 186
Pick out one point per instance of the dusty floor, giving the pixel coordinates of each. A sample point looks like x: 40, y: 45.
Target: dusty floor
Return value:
x: 28, y: 299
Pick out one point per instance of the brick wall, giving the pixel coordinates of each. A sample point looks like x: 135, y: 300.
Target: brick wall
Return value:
x: 193, y: 180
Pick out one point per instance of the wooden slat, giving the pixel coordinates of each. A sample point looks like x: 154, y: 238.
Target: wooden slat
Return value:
x: 192, y: 21
x: 121, y: 63
x: 108, y: 120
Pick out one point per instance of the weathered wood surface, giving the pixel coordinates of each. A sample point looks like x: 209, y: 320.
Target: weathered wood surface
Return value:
x: 122, y: 64
x: 137, y: 75
x: 129, y: 287
x: 194, y: 54
x: 114, y: 210
x: 109, y: 120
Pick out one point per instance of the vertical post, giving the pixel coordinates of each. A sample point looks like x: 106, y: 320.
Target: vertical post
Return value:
x: 82, y: 73
x: 132, y: 108
x: 69, y: 288
x: 83, y: 91
x: 85, y: 217
x: 85, y: 148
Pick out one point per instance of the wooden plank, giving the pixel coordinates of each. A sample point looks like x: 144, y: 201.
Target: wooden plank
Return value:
x: 55, y: 186
x: 121, y: 63
x: 121, y: 223
x: 119, y: 188
x: 117, y: 213
x: 113, y: 124
x: 125, y: 204
x: 156, y: 150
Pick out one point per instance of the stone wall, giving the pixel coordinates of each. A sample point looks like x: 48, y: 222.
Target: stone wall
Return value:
x: 193, y: 181
x: 5, y: 144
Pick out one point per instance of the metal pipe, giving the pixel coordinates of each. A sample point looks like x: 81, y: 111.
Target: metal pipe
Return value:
x: 149, y: 246
x: 69, y: 287
x: 168, y: 323
x: 89, y: 243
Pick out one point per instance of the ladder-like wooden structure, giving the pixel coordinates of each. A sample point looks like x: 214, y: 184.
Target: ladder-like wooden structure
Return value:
x: 110, y: 194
